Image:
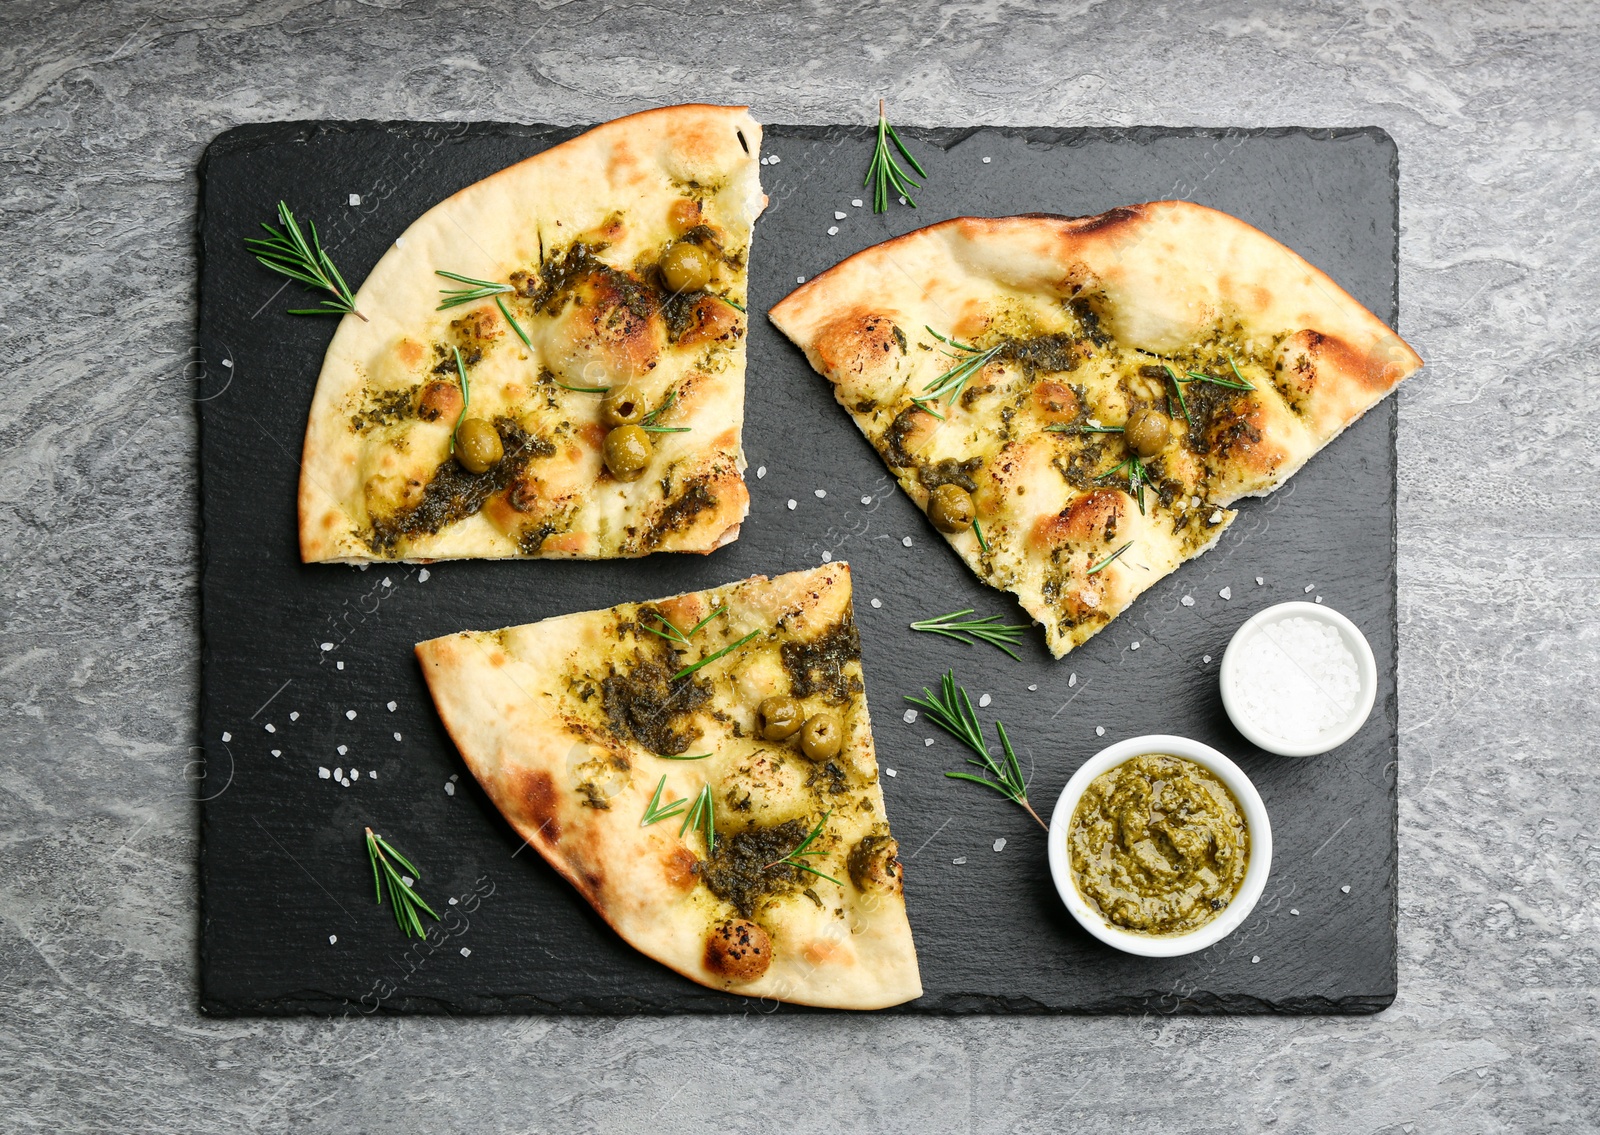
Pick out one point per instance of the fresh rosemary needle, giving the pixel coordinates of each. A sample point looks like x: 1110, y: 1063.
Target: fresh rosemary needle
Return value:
x: 885, y: 172
x: 654, y: 812
x: 672, y: 633
x: 406, y: 902
x: 949, y: 384
x: 951, y: 710
x: 1109, y: 560
x: 702, y: 815
x: 710, y: 658
x: 648, y: 422
x: 289, y: 253
x: 1138, y: 478
x: 480, y: 289
x: 988, y: 629
x: 461, y: 369
x: 795, y: 857
x: 977, y: 530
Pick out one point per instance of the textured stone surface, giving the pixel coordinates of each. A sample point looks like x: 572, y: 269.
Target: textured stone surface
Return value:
x: 106, y: 112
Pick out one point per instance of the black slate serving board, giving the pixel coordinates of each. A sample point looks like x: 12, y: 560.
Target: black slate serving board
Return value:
x: 310, y: 667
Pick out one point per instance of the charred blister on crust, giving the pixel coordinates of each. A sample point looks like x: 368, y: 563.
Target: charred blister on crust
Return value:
x: 738, y: 950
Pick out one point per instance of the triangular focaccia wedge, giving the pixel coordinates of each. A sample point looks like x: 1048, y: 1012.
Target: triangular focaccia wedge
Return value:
x: 591, y: 236
x: 569, y: 724
x: 999, y: 356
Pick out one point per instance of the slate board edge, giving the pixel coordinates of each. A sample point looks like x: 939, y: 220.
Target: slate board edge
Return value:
x: 248, y: 137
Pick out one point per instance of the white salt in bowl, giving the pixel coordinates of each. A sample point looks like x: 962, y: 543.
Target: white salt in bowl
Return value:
x: 1333, y: 733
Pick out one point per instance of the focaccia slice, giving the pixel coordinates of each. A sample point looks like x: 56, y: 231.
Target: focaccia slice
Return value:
x: 583, y: 728
x: 1004, y: 357
x: 582, y: 237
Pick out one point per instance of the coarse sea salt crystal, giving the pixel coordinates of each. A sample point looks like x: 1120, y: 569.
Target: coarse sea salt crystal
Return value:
x: 827, y: 557
x: 927, y: 742
x: 856, y: 202
x: 277, y: 752
x: 1297, y: 679
x: 466, y: 951
x: 819, y: 493
x: 1134, y: 645
x: 323, y: 772
x: 1000, y: 844
x: 397, y: 737
x: 226, y: 737
x: 1099, y: 730
x: 909, y: 716
x: 392, y: 706
x: 877, y: 604
x: 1226, y: 593
x: 1260, y: 581
x: 984, y: 699
x: 333, y: 939
x: 350, y: 714
x: 793, y: 504
x: 295, y: 716
x: 866, y: 500
x: 761, y: 471
x: 833, y: 230
x: 987, y: 160
x: 1072, y: 680
x: 906, y: 541
x: 271, y: 728
x: 1033, y: 685
x: 1187, y: 600
x: 343, y: 749
x: 340, y: 665
x: 422, y: 576
x: 890, y: 772
x: 449, y: 788
x: 959, y: 860
x: 1309, y: 586
x: 839, y: 215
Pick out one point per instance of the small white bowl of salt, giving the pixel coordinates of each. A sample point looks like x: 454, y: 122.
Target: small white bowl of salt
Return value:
x: 1298, y: 679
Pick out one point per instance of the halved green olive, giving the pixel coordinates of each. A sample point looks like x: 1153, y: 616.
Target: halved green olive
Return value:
x: 621, y: 407
x: 780, y: 718
x: 1148, y: 432
x: 950, y: 508
x: 821, y: 737
x: 627, y: 452
x: 478, y: 447
x: 685, y: 268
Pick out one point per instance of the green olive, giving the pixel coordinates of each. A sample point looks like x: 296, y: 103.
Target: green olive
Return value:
x: 1147, y: 432
x: 478, y: 446
x: 780, y: 718
x: 821, y: 737
x: 621, y: 407
x: 627, y: 452
x: 950, y: 508
x: 686, y: 268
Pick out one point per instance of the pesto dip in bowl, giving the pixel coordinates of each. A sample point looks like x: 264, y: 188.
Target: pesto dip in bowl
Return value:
x: 1160, y: 846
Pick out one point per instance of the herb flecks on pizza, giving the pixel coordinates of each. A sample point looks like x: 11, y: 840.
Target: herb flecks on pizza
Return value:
x: 553, y: 359
x: 1076, y: 401
x: 701, y: 769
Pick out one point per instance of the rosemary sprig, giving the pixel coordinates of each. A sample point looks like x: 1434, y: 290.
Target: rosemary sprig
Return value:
x: 885, y: 172
x: 654, y: 813
x: 1201, y: 376
x: 1177, y: 385
x: 794, y: 858
x: 406, y: 902
x: 648, y: 422
x: 710, y: 658
x: 988, y: 629
x: 672, y: 633
x: 1109, y: 560
x: 1138, y: 478
x: 735, y: 304
x: 290, y: 254
x: 703, y: 816
x: 949, y: 384
x: 581, y: 389
x: 977, y: 531
x: 466, y: 397
x: 951, y: 710
x: 481, y: 289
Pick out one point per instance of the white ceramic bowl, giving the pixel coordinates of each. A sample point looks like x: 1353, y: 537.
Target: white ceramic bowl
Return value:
x: 1255, y: 876
x: 1330, y: 738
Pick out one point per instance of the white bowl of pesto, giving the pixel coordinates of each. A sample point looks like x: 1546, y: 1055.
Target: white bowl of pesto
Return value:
x: 1298, y: 679
x: 1160, y: 846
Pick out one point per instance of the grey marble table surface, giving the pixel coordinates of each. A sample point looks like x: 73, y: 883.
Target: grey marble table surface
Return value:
x: 105, y: 109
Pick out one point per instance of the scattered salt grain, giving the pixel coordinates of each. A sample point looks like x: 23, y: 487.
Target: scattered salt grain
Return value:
x: 397, y: 737
x: 355, y: 774
x: 350, y: 714
x: 987, y: 160
x: 372, y: 775
x: 1205, y: 658
x: 838, y: 215
x: 449, y: 789
x: 820, y: 494
x: 1072, y: 680
x: 959, y: 860
x: 793, y: 504
x: 453, y: 900
x: 833, y: 230
x: 408, y: 880
x: 1134, y: 645
x: 1216, y: 517
x: 890, y: 772
x: 295, y: 716
x: 399, y: 242
x: 340, y: 665
x: 906, y: 541
x: 422, y: 576
x: 455, y: 776
x: 1345, y: 888
x: 323, y: 772
x: 827, y: 557
x: 1309, y: 586
x: 338, y: 774
x: 1260, y: 581
x: 343, y: 749
x: 909, y: 716
x: 226, y: 737
x: 855, y: 201
x: 344, y: 783
x: 1255, y: 958
x: 1294, y: 912
x: 355, y: 198
x: 386, y: 582
x: 1319, y: 599
x: 392, y: 706
x: 776, y: 159
x: 761, y: 471
x: 927, y: 742
x: 1187, y: 600
x: 1226, y: 593
x: 902, y: 199
x: 866, y: 500
x: 1099, y: 730
x: 799, y: 279
x: 333, y: 939
x: 228, y: 363
x: 277, y: 752
x: 1033, y: 685
x: 271, y: 728
x: 1316, y: 691
x: 984, y: 700
x: 329, y: 646
x: 466, y: 951
x: 877, y: 604
x: 1000, y: 844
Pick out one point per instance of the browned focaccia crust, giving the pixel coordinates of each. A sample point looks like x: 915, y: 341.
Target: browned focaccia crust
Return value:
x: 1091, y: 321
x: 570, y: 725
x: 578, y: 233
